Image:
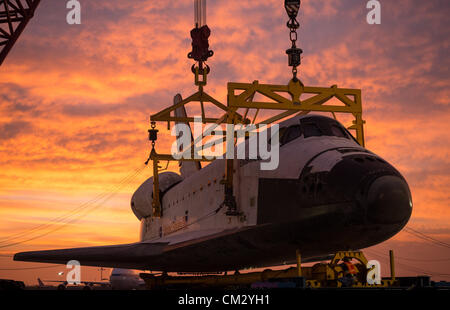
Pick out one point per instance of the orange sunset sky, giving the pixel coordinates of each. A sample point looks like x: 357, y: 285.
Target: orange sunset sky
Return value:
x: 75, y: 102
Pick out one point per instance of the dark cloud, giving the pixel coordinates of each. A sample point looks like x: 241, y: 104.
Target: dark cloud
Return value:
x: 13, y: 129
x: 142, y: 104
x: 89, y: 110
x: 56, y: 161
x: 15, y: 99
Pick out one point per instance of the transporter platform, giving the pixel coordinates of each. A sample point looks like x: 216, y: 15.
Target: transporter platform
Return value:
x: 330, y: 275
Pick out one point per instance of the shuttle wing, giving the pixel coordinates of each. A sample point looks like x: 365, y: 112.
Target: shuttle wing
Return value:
x: 169, y: 253
x: 131, y: 256
x: 212, y: 250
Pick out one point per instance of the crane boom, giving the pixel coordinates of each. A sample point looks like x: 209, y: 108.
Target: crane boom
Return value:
x: 14, y: 17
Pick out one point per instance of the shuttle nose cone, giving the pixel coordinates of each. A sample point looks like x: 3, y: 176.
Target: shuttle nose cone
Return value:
x: 388, y: 200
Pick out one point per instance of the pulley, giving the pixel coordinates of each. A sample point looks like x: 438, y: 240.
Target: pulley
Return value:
x: 152, y: 136
x: 153, y: 133
x: 292, y: 7
x: 294, y: 56
x: 200, y: 44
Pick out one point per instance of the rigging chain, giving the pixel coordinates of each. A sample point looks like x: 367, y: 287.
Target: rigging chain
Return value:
x: 294, y: 53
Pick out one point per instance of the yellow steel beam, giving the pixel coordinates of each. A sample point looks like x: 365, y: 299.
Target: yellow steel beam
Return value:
x: 299, y: 263
x: 309, y: 107
x: 168, y: 157
x: 156, y: 203
x: 315, y: 103
x: 391, y: 264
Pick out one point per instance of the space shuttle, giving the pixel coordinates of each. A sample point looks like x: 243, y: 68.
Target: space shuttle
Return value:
x: 327, y: 194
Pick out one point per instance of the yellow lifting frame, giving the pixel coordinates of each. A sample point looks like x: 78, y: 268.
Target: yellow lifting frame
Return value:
x: 291, y: 103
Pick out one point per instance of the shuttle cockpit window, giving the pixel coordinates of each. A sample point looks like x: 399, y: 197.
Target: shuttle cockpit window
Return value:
x: 315, y: 126
x: 290, y: 134
x: 338, y: 131
x: 311, y: 130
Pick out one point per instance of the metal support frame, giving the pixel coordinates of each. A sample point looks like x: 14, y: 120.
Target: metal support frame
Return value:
x: 299, y: 262
x: 14, y: 17
x: 287, y: 99
x: 156, y: 205
x: 292, y: 103
x: 392, y: 264
x: 201, y: 97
